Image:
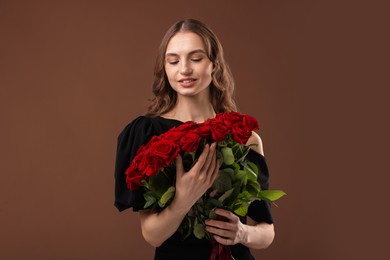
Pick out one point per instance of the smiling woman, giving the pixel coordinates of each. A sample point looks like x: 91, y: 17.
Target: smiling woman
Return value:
x: 187, y: 66
x: 205, y: 48
x: 192, y: 82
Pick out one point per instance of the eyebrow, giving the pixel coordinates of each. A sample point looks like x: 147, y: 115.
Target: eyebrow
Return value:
x: 190, y: 53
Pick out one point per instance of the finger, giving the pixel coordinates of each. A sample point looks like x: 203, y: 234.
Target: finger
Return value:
x: 202, y: 158
x: 223, y: 241
x: 211, y: 165
x: 209, y: 158
x: 179, y: 165
x: 214, y: 175
x: 220, y: 232
x: 219, y: 224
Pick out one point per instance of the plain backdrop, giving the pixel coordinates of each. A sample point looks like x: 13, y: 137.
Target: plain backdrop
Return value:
x: 74, y: 73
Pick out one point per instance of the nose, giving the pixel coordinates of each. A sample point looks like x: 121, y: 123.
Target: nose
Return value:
x: 185, y: 68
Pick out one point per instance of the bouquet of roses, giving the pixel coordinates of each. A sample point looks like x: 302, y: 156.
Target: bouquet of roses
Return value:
x: 236, y: 186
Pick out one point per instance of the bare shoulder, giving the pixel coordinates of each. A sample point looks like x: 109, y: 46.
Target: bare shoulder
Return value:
x: 255, y: 139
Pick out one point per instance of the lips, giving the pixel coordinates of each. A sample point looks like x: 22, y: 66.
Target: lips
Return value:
x: 187, y: 82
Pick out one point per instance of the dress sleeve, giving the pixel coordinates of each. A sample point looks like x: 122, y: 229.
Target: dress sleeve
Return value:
x: 136, y: 133
x: 260, y: 211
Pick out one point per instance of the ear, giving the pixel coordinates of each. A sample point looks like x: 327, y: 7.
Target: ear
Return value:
x: 214, y: 67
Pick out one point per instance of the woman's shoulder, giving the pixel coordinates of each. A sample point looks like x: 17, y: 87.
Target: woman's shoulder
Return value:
x: 255, y: 139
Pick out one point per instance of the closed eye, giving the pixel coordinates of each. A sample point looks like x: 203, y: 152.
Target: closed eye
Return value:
x: 196, y: 60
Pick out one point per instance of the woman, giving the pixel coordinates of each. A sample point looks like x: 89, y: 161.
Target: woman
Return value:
x: 192, y: 83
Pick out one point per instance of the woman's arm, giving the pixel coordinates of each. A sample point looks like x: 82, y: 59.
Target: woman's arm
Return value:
x: 255, y: 230
x: 190, y: 186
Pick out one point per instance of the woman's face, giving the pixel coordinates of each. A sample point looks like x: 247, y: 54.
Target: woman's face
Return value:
x: 187, y: 66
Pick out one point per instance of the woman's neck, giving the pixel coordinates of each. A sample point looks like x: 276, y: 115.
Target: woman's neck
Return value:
x: 191, y: 109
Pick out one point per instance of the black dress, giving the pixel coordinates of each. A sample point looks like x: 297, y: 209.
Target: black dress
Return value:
x: 139, y: 132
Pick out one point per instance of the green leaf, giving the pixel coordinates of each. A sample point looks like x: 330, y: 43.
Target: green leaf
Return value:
x: 236, y: 166
x: 241, y: 176
x: 228, y: 157
x: 167, y: 196
x: 271, y: 195
x: 236, y: 190
x: 226, y: 195
x: 212, y: 203
x: 245, y: 195
x: 199, y: 231
x: 250, y: 173
x: 242, y: 210
x: 253, y: 167
x: 145, y: 183
x: 244, y: 152
x: 229, y: 172
x: 222, y: 183
x: 212, y: 214
x: 253, y: 187
x: 150, y: 199
x: 188, y: 227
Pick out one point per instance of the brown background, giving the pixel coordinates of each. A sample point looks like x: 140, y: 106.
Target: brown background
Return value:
x: 74, y: 73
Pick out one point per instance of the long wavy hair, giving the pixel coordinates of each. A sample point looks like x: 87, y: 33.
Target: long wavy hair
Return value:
x: 222, y: 86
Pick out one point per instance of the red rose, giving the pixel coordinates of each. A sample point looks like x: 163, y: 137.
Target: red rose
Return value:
x: 226, y: 119
x: 173, y: 135
x: 165, y: 150
x: 134, y: 182
x: 150, y: 164
x: 250, y: 122
x: 242, y: 129
x: 236, y: 116
x: 230, y: 117
x: 219, y: 131
x: 133, y: 176
x: 190, y: 142
x: 204, y: 130
x: 186, y: 126
x: 154, y: 139
x: 241, y: 134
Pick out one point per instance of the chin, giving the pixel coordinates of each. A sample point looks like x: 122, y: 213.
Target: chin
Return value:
x: 189, y: 92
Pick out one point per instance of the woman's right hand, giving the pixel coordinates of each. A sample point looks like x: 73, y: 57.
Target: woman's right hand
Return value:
x: 191, y: 185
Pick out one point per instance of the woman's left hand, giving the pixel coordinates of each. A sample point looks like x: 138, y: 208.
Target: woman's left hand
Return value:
x: 229, y: 231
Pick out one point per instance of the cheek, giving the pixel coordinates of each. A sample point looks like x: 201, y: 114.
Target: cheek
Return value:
x: 169, y: 73
x: 207, y: 71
